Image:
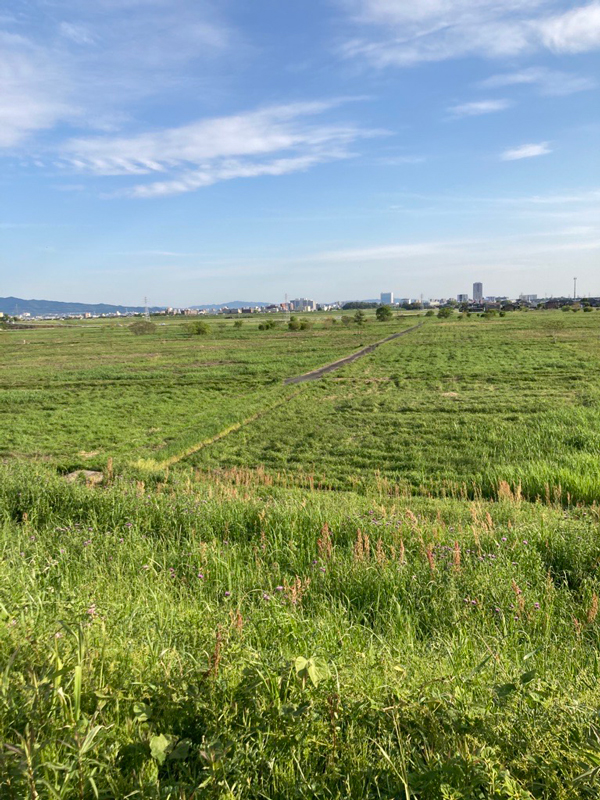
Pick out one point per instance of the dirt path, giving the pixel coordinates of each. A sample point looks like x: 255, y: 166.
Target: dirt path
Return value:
x: 318, y: 373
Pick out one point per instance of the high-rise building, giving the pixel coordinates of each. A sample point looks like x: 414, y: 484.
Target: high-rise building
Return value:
x: 462, y: 298
x: 387, y: 298
x: 477, y: 292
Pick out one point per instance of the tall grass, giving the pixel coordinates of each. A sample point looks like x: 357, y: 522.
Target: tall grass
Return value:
x: 152, y: 644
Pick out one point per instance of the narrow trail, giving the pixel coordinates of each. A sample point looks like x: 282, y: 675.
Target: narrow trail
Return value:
x: 315, y: 374
x: 309, y: 376
x: 195, y: 448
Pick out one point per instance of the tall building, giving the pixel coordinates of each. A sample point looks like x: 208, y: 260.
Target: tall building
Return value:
x: 462, y: 298
x: 477, y: 292
x: 387, y: 298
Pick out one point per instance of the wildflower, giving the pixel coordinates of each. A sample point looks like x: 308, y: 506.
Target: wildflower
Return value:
x: 525, y: 541
x: 536, y: 605
x: 497, y: 610
x: 504, y: 539
x: 200, y: 576
x: 473, y: 602
x: 227, y: 594
x: 279, y: 588
x: 146, y: 566
x: 129, y: 524
x: 266, y: 596
x: 92, y: 610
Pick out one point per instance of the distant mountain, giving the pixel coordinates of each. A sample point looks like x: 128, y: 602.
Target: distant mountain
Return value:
x: 233, y: 304
x: 14, y: 306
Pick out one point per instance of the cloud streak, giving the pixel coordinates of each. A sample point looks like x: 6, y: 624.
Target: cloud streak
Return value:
x: 478, y: 108
x: 406, y: 33
x: 270, y: 141
x: 526, y: 151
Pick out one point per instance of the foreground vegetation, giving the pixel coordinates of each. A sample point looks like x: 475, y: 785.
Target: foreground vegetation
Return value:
x: 383, y: 586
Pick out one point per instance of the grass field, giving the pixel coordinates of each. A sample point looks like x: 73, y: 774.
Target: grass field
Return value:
x: 383, y: 584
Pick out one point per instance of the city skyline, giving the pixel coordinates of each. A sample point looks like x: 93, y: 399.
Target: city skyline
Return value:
x: 194, y: 151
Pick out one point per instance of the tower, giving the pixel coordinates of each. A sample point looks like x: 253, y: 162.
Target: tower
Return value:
x: 477, y: 292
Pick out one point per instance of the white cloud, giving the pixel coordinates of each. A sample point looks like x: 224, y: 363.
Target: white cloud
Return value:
x: 31, y: 88
x: 407, y: 32
x: 479, y: 107
x: 548, y: 81
x: 218, y: 149
x: 576, y: 31
x: 145, y: 47
x: 526, y: 151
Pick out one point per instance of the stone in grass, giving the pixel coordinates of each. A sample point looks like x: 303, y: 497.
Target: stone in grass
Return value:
x: 91, y: 477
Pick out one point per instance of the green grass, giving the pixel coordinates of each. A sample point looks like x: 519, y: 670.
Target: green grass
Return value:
x: 421, y: 526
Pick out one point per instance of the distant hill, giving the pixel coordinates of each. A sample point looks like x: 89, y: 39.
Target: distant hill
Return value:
x: 17, y: 305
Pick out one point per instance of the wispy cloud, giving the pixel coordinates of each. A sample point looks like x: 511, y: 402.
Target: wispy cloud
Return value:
x: 576, y: 31
x: 548, y: 81
x: 479, y: 107
x: 219, y: 149
x: 406, y: 33
x: 101, y: 59
x: 526, y: 151
x: 32, y: 88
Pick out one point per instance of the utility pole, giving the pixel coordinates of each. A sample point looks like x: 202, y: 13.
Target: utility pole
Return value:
x: 574, y: 288
x: 146, y: 309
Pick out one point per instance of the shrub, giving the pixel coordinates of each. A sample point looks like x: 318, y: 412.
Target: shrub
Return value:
x: 142, y: 327
x: 305, y: 325
x: 198, y: 328
x: 294, y: 323
x: 445, y: 313
x: 360, y: 318
x: 384, y: 313
x: 238, y: 323
x: 588, y: 308
x: 430, y: 313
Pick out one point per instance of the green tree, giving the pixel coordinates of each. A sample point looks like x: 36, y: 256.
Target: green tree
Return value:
x: 384, y: 313
x: 360, y: 318
x: 445, y: 313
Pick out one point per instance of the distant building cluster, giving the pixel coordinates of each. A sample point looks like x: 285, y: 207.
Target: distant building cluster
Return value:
x: 477, y: 301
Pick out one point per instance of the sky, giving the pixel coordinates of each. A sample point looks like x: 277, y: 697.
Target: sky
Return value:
x: 197, y: 152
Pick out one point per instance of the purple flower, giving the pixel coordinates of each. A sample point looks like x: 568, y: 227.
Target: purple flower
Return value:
x: 201, y: 576
x: 497, y: 610
x: 146, y: 566
x: 266, y: 596
x: 536, y: 605
x: 279, y: 588
x: 473, y: 602
x: 227, y: 594
x: 504, y: 538
x: 525, y: 541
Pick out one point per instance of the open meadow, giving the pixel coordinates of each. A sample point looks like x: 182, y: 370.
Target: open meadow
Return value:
x: 380, y: 584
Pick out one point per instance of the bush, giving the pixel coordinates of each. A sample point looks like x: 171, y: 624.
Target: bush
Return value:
x: 294, y: 323
x: 346, y: 320
x: 430, y: 313
x: 199, y: 328
x: 142, y: 327
x: 384, y: 313
x: 360, y: 318
x: 445, y: 313
x: 267, y: 325
x: 238, y: 323
x: 305, y: 325
x: 588, y: 308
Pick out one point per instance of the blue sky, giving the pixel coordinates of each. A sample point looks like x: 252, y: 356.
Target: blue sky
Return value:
x: 200, y: 152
